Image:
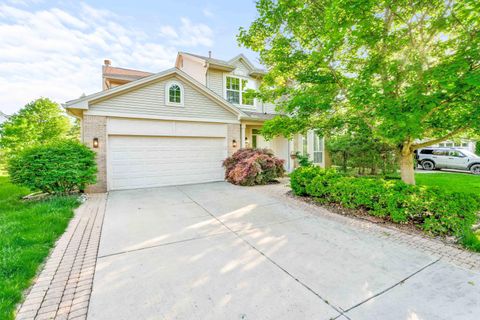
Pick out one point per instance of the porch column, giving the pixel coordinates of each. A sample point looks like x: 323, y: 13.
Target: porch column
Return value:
x: 243, y: 135
x: 291, y: 149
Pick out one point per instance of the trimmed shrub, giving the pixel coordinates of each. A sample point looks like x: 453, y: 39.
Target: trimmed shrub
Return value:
x: 248, y: 167
x: 302, y: 177
x: 60, y: 167
x: 435, y: 211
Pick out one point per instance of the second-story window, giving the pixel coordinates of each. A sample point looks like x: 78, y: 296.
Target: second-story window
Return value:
x: 233, y: 90
x: 236, y: 91
x: 247, y: 97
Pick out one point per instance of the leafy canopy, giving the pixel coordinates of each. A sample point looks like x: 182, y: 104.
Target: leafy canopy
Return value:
x: 408, y: 69
x: 39, y: 122
x: 62, y: 166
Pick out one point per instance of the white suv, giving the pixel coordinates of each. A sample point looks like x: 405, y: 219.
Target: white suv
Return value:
x: 448, y: 158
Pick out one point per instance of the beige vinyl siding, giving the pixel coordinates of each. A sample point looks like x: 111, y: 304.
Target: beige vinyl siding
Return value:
x: 241, y: 68
x: 269, y: 107
x: 215, y: 81
x: 150, y: 100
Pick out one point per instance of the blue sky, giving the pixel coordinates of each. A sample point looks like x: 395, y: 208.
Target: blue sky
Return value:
x: 55, y: 49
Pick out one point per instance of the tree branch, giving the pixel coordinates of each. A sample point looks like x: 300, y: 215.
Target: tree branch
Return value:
x: 435, y: 141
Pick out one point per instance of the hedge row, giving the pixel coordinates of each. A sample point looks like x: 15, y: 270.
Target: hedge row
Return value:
x: 435, y: 211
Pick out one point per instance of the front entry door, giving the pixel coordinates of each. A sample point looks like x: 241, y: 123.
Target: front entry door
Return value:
x: 258, y: 141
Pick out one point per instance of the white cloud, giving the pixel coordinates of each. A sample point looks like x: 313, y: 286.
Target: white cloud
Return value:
x: 188, y: 34
x: 207, y: 13
x: 168, y: 32
x: 58, y: 54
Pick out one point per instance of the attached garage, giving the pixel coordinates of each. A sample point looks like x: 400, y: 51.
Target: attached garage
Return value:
x: 140, y: 162
x: 162, y: 130
x: 150, y: 153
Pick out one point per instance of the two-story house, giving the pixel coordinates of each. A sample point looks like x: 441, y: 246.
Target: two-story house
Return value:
x: 177, y: 126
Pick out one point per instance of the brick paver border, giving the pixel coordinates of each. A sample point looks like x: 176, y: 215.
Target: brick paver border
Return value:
x: 62, y: 289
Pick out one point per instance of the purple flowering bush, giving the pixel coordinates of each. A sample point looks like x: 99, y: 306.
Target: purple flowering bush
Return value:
x: 248, y: 167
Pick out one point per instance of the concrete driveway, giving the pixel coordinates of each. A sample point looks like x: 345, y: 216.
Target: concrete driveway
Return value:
x: 218, y: 251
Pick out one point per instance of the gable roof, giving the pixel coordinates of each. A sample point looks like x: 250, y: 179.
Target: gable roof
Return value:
x: 214, y: 63
x: 227, y: 65
x: 84, y: 102
x: 123, y: 73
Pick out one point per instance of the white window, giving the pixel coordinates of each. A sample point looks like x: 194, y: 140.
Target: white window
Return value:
x: 317, y: 148
x: 174, y: 94
x: 233, y: 90
x: 304, y: 145
x: 236, y: 91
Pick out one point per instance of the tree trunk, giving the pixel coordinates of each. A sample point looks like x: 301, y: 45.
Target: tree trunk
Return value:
x: 407, y: 171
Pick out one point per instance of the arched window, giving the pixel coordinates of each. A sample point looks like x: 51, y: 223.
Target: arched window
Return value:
x: 174, y: 94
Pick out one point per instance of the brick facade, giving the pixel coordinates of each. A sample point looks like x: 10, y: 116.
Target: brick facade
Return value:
x: 233, y: 133
x: 96, y: 127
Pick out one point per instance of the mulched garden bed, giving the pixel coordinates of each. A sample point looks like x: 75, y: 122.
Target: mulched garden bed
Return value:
x: 363, y: 215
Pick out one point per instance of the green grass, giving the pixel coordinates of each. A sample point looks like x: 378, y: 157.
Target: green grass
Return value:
x: 454, y: 182
x: 28, y: 230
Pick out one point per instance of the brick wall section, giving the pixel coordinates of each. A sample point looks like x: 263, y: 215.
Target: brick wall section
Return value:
x: 96, y: 127
x: 233, y: 132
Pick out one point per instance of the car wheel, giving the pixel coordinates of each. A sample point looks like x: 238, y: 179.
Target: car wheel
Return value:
x: 475, y: 169
x: 428, y: 165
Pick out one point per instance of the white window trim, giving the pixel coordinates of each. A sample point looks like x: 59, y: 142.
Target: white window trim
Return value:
x: 167, y: 94
x: 245, y: 106
x: 311, y: 148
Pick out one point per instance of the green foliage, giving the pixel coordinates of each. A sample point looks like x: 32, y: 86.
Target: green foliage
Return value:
x: 477, y: 148
x: 471, y: 240
x: 436, y: 211
x: 408, y: 70
x: 301, y: 177
x: 281, y: 125
x: 248, y: 167
x: 59, y: 167
x: 354, y: 149
x: 303, y: 159
x: 39, y: 122
x: 28, y: 230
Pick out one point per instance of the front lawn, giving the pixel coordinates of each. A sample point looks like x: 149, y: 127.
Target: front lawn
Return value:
x: 454, y: 182
x: 28, y: 230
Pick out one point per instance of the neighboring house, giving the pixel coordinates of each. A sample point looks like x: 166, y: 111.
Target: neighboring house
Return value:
x: 177, y: 126
x: 3, y: 117
x: 467, y: 144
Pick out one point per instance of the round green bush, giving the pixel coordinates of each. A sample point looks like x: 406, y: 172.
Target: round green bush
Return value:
x: 60, y: 167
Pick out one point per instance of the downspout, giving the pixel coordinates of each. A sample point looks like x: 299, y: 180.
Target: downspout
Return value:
x: 207, y: 65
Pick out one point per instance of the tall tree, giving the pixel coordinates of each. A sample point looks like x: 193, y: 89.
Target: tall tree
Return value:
x: 410, y: 69
x: 40, y: 121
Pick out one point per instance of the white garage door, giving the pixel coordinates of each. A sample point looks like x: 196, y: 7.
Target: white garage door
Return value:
x: 142, y: 162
